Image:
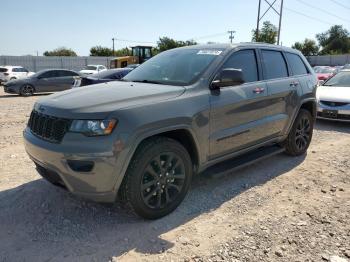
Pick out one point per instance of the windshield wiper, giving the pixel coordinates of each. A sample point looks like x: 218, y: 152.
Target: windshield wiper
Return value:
x: 148, y: 81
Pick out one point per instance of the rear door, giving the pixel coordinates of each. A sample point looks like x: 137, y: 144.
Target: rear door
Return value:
x: 65, y: 80
x: 237, y: 112
x: 300, y: 71
x: 283, y: 91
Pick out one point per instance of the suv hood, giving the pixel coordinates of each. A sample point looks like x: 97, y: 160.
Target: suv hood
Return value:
x: 97, y: 101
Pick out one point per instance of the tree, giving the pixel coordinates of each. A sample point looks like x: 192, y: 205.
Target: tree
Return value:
x: 334, y: 41
x: 122, y: 52
x: 267, y: 34
x: 308, y: 47
x: 166, y: 43
x: 61, y: 51
x: 100, y: 51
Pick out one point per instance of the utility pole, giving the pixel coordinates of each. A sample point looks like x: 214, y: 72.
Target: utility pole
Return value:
x: 231, y: 37
x: 271, y: 6
x: 279, y: 24
x: 257, y: 22
x: 113, y: 39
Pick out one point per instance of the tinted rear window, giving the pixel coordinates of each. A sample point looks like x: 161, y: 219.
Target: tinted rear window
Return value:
x: 297, y: 65
x: 2, y: 69
x: 67, y: 73
x: 274, y: 64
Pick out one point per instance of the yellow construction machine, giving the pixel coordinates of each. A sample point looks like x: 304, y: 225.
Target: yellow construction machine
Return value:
x: 139, y: 55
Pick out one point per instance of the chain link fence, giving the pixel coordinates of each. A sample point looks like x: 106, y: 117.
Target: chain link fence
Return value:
x: 37, y: 63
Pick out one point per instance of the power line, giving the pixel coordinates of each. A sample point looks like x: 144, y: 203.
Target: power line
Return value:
x: 148, y: 42
x: 340, y: 4
x: 134, y: 41
x: 310, y: 17
x: 322, y: 10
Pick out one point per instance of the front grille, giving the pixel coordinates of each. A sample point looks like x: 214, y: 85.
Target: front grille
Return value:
x: 333, y: 104
x: 47, y: 127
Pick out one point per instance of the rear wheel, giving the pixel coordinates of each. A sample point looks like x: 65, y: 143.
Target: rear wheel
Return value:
x: 300, y: 135
x: 158, y: 178
x: 27, y: 90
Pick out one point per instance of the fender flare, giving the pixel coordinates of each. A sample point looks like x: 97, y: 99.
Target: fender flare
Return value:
x: 142, y: 137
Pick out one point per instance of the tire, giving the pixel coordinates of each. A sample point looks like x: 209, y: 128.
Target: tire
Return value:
x: 300, y: 135
x: 27, y: 90
x: 13, y: 78
x: 153, y: 192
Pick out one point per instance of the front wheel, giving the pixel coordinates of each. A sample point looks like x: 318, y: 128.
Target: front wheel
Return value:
x: 158, y: 178
x: 27, y: 90
x: 300, y: 135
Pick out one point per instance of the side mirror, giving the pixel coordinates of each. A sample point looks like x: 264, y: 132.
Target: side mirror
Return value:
x: 228, y: 77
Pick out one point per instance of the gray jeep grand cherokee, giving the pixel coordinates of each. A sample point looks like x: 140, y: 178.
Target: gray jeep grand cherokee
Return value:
x: 182, y: 111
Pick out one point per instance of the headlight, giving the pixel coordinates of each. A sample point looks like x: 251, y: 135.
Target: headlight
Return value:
x: 93, y: 127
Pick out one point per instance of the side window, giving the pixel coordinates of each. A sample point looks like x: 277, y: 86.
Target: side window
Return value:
x: 50, y: 74
x: 15, y: 70
x: 297, y: 65
x: 274, y: 64
x: 246, y: 61
x: 64, y: 73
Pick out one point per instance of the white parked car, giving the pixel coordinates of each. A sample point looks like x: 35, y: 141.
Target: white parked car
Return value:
x: 92, y: 69
x: 333, y: 97
x: 13, y: 72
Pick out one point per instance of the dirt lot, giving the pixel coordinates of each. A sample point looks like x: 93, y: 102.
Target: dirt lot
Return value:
x: 280, y: 209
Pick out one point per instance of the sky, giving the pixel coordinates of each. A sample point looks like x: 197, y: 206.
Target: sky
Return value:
x: 31, y: 26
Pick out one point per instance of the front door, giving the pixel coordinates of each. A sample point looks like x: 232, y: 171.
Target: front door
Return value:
x: 237, y: 112
x: 47, y: 81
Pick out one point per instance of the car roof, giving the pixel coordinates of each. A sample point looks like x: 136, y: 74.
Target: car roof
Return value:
x: 12, y: 66
x: 243, y: 44
x: 55, y: 69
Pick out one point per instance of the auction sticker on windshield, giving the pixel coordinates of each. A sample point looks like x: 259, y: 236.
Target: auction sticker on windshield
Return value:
x: 209, y: 52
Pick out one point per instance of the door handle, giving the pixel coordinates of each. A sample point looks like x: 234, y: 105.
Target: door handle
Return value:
x: 258, y: 90
x: 294, y: 84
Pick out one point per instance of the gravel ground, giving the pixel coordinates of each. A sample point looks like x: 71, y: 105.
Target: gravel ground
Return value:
x: 279, y: 209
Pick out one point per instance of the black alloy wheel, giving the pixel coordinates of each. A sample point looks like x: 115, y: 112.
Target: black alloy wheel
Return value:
x: 27, y: 90
x: 162, y: 180
x: 158, y: 178
x: 300, y: 135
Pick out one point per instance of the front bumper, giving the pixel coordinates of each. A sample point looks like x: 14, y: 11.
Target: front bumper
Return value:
x: 97, y: 183
x: 10, y: 89
x: 336, y: 113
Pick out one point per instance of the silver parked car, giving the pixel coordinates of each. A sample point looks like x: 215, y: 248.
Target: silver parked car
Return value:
x: 333, y: 97
x: 49, y: 80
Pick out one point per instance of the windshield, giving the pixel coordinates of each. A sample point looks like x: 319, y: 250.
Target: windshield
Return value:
x: 340, y: 79
x: 174, y: 67
x: 90, y: 68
